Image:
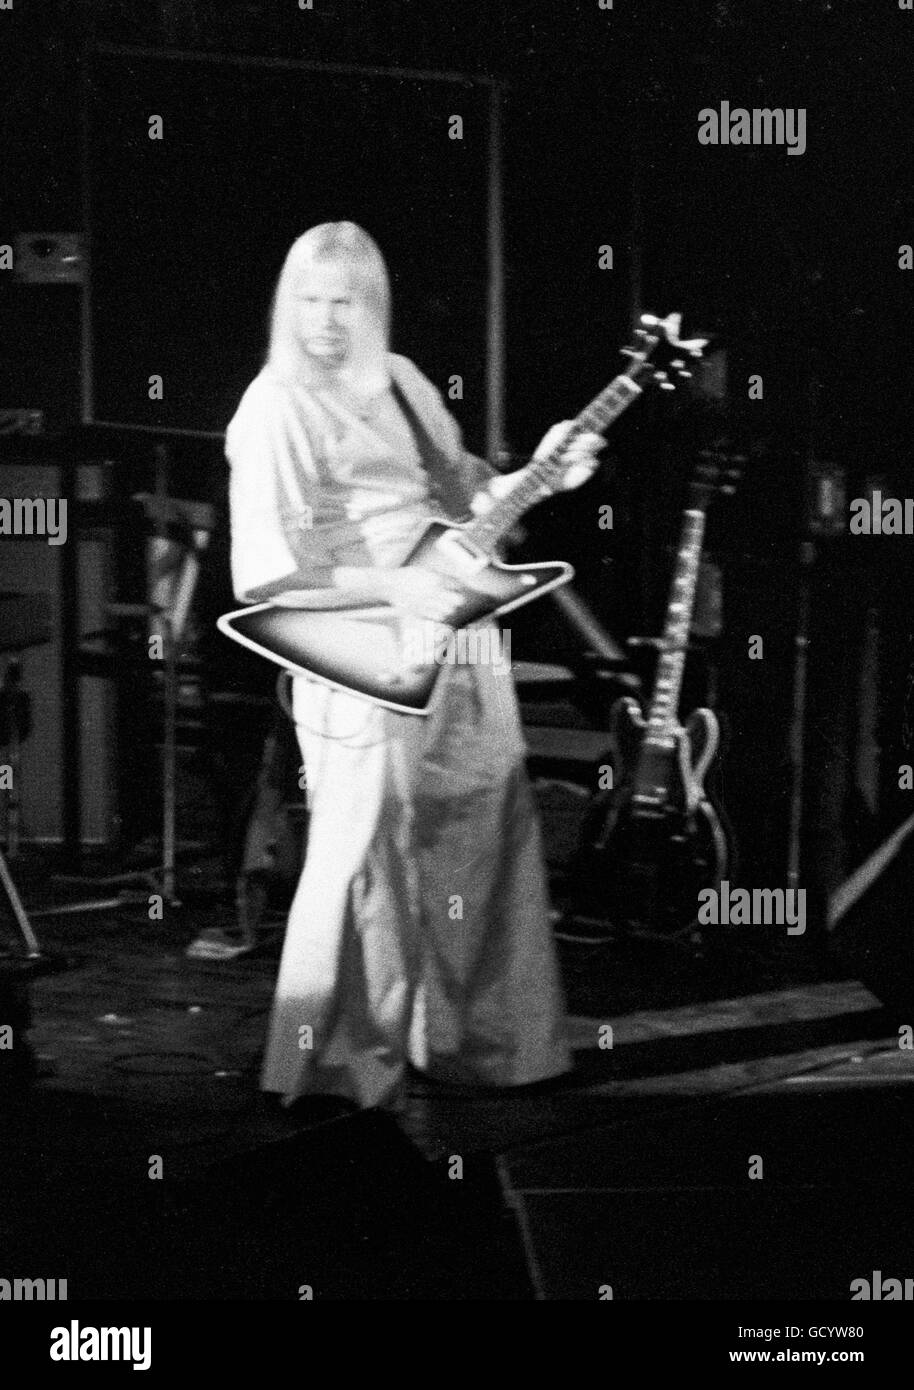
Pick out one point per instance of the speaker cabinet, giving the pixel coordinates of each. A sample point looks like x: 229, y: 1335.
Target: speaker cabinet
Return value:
x: 68, y: 760
x: 40, y: 356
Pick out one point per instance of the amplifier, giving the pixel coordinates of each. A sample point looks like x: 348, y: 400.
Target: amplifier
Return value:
x: 67, y: 763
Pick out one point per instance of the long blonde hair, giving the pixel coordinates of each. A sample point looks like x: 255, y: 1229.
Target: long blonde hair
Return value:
x: 348, y: 246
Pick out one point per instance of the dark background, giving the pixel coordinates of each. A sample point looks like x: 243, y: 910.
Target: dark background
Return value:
x: 198, y: 225
x: 791, y: 261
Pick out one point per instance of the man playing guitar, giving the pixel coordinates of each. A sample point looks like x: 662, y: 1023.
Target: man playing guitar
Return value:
x: 420, y: 929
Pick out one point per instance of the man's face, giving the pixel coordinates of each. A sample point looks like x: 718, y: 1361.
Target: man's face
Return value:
x: 330, y: 315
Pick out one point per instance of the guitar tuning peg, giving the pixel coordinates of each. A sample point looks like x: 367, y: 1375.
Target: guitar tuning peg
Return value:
x: 660, y: 375
x: 686, y: 376
x: 667, y: 386
x: 677, y: 362
x: 630, y: 352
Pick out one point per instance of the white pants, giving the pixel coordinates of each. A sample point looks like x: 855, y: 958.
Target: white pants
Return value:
x: 420, y: 927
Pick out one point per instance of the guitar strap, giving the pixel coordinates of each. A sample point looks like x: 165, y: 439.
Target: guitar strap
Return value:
x: 446, y: 483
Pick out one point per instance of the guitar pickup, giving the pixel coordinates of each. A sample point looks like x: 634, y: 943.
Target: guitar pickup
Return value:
x: 459, y: 551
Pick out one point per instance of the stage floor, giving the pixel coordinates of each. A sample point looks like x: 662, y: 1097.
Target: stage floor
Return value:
x: 750, y: 1142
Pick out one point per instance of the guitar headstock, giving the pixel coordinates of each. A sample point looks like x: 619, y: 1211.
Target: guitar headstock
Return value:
x: 661, y: 352
x: 717, y: 472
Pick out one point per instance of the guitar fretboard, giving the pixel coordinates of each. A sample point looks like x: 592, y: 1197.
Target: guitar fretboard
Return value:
x: 664, y: 707
x: 543, y: 476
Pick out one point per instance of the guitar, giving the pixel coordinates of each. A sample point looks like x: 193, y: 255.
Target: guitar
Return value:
x: 394, y: 660
x: 652, y: 843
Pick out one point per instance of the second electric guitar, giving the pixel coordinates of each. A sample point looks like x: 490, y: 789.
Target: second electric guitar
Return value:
x: 653, y: 842
x: 371, y: 651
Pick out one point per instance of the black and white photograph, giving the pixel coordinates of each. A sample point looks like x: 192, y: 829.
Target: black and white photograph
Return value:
x: 456, y: 669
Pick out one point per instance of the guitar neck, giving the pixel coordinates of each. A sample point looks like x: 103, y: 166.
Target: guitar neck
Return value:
x: 663, y: 710
x: 543, y: 476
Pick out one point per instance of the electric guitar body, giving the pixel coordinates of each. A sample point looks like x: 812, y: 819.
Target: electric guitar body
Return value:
x: 387, y: 658
x: 658, y: 838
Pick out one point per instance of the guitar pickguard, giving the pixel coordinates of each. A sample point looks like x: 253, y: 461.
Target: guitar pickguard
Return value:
x: 642, y: 874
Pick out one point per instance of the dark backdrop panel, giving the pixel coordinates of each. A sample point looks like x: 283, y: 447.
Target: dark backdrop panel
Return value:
x: 568, y: 191
x: 190, y: 231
